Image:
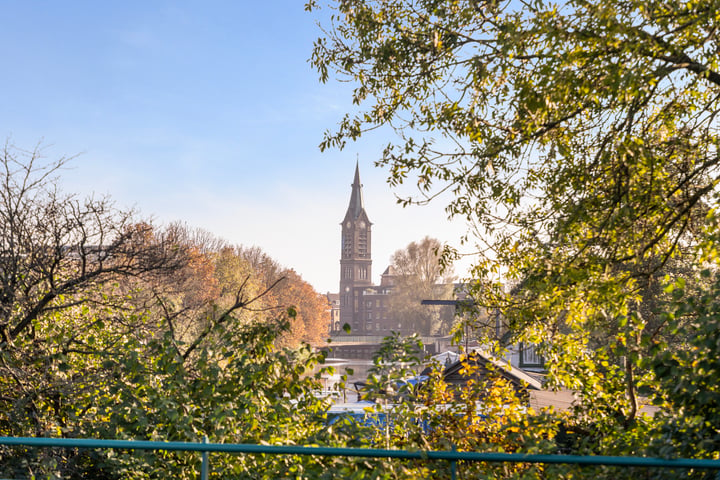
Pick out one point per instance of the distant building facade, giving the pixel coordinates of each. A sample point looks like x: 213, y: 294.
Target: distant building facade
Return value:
x: 333, y: 300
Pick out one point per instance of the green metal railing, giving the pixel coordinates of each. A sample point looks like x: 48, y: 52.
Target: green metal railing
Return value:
x: 452, y: 457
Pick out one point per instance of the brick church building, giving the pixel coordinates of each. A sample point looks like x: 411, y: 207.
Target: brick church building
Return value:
x: 359, y: 303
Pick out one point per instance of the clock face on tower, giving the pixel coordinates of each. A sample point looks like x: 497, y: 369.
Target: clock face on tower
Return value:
x: 362, y: 224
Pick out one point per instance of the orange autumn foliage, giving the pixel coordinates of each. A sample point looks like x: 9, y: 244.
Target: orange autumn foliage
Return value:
x: 312, y: 318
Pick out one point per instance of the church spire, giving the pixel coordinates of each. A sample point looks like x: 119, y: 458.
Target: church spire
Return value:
x: 356, y: 205
x: 355, y: 255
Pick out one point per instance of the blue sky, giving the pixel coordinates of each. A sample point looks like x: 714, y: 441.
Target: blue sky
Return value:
x: 202, y: 112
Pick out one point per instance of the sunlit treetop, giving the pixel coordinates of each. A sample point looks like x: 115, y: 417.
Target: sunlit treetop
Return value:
x: 575, y: 118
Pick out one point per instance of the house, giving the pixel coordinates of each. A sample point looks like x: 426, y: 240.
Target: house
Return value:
x: 528, y: 386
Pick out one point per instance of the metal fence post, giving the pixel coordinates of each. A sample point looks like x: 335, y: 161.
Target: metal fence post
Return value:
x: 453, y: 466
x: 204, y: 467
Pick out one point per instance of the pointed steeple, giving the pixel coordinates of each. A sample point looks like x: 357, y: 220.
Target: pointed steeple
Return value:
x: 355, y: 256
x: 356, y: 205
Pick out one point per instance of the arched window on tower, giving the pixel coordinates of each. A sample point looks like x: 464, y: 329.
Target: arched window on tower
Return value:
x: 347, y: 245
x: 362, y: 243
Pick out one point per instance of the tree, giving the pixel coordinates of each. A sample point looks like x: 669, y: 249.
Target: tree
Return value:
x: 115, y: 328
x: 687, y: 385
x: 419, y: 275
x: 312, y: 315
x: 578, y: 138
x: 57, y: 250
x: 311, y: 321
x: 111, y: 384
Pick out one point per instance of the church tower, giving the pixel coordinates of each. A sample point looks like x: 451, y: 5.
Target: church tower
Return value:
x: 355, y: 257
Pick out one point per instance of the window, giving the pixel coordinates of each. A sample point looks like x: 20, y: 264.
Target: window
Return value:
x: 363, y: 243
x: 347, y: 245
